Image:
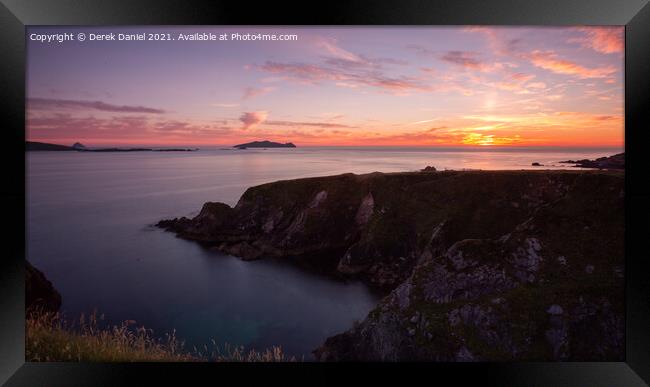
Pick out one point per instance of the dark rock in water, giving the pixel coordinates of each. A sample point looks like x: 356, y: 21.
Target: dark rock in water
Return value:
x: 536, y: 164
x: 471, y: 276
x: 264, y: 144
x: 429, y: 168
x: 39, y: 292
x: 616, y: 161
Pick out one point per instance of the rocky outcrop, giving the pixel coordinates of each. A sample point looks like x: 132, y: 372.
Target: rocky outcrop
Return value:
x: 610, y: 162
x: 480, y: 265
x: 39, y: 292
x: 552, y: 288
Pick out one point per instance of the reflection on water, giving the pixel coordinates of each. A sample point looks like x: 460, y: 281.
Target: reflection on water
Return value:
x: 89, y: 218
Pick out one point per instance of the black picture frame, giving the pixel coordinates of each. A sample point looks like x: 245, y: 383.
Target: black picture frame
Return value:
x: 634, y: 14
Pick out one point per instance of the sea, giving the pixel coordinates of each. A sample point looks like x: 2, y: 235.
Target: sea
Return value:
x: 90, y: 228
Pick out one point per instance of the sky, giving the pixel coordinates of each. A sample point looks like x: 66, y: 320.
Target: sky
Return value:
x: 354, y: 86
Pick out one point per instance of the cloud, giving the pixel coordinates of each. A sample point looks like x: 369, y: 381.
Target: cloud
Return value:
x: 513, y: 82
x: 186, y: 128
x: 465, y: 59
x: 497, y: 43
x: 52, y: 104
x: 472, y: 61
x: 331, y: 47
x: 345, y: 69
x: 489, y: 139
x: 548, y: 60
x: 601, y: 39
x: 251, y: 119
x: 420, y: 50
x: 313, y: 124
x: 344, y: 76
x: 225, y: 105
x: 251, y: 92
x: 606, y: 40
x: 536, y: 85
x: 432, y: 136
x: 118, y: 128
x: 338, y: 56
x: 429, y: 70
x: 421, y: 122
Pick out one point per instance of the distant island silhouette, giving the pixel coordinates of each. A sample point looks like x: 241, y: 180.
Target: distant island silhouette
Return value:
x: 264, y: 144
x: 43, y: 146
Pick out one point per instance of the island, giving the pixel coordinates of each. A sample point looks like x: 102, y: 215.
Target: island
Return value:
x: 264, y: 144
x: 474, y: 265
x: 42, y: 146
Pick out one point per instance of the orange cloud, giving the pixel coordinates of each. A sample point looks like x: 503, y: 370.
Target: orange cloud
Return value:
x: 606, y: 40
x: 548, y: 60
x: 489, y: 139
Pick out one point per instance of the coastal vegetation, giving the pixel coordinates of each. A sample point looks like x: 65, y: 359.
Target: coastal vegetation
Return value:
x: 52, y: 337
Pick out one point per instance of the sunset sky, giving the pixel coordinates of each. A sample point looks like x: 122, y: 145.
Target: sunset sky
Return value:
x: 516, y: 86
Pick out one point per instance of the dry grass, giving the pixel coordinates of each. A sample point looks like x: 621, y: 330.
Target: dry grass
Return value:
x: 52, y: 338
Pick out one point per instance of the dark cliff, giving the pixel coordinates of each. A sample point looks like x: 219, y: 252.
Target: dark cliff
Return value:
x: 481, y: 265
x: 39, y: 292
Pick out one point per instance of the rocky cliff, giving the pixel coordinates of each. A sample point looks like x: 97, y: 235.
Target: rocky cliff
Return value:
x: 501, y: 265
x: 39, y: 292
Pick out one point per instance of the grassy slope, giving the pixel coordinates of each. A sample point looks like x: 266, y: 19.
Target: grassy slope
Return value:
x: 49, y: 337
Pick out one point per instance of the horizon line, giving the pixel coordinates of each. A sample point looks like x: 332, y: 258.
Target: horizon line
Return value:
x: 208, y: 146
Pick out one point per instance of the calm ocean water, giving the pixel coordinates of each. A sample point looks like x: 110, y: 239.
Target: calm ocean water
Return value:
x: 89, y: 218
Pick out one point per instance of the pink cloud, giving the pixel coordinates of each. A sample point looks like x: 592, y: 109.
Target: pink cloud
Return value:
x: 331, y: 47
x: 251, y: 92
x: 251, y: 119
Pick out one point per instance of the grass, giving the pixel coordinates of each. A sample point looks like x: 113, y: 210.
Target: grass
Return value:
x: 52, y: 338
